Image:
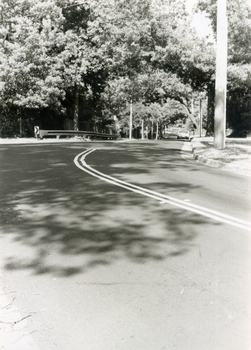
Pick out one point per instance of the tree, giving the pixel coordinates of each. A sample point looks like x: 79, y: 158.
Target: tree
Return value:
x: 46, y: 55
x: 68, y: 57
x: 29, y: 68
x: 161, y: 86
x: 162, y: 58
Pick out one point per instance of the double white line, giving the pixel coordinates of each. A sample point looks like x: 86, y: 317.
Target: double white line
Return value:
x: 212, y: 214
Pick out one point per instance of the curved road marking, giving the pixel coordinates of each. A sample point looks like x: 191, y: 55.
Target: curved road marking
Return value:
x: 79, y: 161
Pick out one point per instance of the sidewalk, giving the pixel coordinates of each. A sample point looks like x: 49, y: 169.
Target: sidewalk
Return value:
x: 236, y: 156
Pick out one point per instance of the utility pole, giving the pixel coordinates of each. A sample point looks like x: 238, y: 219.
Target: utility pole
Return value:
x: 200, y: 116
x: 221, y: 76
x: 1, y: 88
x: 130, y: 122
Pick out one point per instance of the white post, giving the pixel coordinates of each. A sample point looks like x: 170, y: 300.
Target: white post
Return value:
x: 157, y: 130
x: 130, y: 122
x: 142, y: 129
x: 200, y: 116
x: 221, y: 77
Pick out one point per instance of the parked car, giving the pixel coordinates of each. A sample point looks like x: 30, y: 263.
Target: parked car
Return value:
x: 171, y: 133
x: 183, y: 134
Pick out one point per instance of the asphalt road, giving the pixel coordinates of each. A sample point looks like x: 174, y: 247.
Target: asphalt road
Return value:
x: 97, y: 265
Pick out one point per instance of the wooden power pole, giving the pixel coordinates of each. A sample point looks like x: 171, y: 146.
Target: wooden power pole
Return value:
x: 221, y: 76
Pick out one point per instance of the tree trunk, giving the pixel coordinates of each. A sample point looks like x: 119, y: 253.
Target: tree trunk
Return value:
x: 210, y: 109
x: 76, y: 108
x: 191, y: 115
x: 21, y: 126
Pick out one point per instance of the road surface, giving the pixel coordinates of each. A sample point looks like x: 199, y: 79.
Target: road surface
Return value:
x: 124, y: 246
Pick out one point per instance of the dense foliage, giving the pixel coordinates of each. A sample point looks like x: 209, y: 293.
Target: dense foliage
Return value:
x: 87, y: 60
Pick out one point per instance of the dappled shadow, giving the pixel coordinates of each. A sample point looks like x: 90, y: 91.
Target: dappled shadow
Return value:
x: 68, y: 222
x: 138, y: 166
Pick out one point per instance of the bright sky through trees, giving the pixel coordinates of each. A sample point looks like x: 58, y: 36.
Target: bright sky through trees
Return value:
x: 200, y: 22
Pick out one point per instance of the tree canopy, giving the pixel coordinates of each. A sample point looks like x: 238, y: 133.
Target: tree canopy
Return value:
x: 86, y: 60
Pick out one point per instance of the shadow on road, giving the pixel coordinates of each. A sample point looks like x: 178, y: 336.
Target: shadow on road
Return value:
x: 62, y: 221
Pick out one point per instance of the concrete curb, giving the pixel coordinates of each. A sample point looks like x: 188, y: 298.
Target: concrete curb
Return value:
x: 207, y: 161
x: 197, y: 145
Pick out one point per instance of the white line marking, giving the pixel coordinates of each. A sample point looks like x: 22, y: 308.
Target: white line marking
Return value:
x: 81, y: 164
